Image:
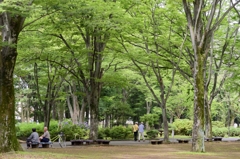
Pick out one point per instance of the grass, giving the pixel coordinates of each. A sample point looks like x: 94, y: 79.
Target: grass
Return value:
x: 228, y: 150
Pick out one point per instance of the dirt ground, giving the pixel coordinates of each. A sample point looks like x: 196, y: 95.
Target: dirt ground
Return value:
x: 228, y: 150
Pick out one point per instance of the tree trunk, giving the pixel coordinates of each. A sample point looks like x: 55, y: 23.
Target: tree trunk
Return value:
x: 165, y: 124
x: 10, y: 28
x: 94, y: 112
x: 83, y: 110
x: 149, y: 106
x: 208, y: 120
x: 198, y: 122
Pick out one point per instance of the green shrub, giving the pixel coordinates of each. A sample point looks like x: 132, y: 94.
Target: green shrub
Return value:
x: 104, y: 133
x: 72, y: 131
x: 218, y: 124
x: 182, y: 126
x: 219, y: 132
x: 152, y: 134
x: 23, y: 130
x: 107, y: 132
x: 152, y: 119
x: 120, y: 132
x: 101, y: 134
x: 234, y: 131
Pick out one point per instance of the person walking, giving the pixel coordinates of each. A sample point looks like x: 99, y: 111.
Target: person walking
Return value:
x: 135, y: 131
x: 141, y: 132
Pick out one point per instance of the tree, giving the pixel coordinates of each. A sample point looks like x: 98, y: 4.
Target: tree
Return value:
x: 201, y: 25
x: 11, y: 23
x: 83, y: 38
x: 156, y: 45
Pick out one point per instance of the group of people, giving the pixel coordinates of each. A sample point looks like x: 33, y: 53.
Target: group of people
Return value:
x: 138, y: 131
x: 34, y: 137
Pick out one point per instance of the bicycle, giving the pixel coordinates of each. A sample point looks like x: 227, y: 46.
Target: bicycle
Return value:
x: 61, y: 139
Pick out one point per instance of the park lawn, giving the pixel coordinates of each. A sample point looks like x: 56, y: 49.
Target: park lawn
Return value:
x: 228, y: 150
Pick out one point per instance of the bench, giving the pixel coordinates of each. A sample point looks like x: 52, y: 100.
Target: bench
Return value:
x: 217, y: 138
x: 77, y: 142
x: 34, y: 144
x: 81, y: 142
x: 156, y: 142
x: 183, y: 140
x: 102, y: 142
x: 45, y: 144
x: 88, y: 142
x: 208, y: 139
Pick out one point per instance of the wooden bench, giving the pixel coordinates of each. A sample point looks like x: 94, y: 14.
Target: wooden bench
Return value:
x: 183, y: 140
x: 88, y: 142
x: 217, y: 138
x: 156, y: 142
x: 34, y: 144
x: 102, y: 142
x: 45, y: 144
x: 208, y: 139
x: 77, y: 142
x: 81, y: 142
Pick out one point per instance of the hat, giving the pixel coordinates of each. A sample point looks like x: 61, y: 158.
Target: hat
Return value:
x: 136, y: 122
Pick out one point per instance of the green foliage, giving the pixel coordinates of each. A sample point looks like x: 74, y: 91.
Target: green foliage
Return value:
x: 217, y: 124
x: 224, y: 131
x: 219, y: 132
x: 104, y: 133
x: 152, y: 118
x: 152, y: 134
x: 120, y: 132
x: 116, y: 132
x: 182, y: 126
x: 23, y: 130
x: 101, y: 134
x: 234, y: 131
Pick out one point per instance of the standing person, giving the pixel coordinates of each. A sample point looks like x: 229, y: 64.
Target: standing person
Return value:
x: 141, y: 132
x: 33, y: 138
x: 46, y: 136
x: 135, y: 131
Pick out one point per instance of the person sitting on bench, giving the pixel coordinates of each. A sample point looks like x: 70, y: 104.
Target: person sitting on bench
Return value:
x: 46, y: 136
x: 33, y: 138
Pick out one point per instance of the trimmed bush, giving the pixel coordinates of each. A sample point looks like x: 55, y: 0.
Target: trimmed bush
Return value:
x: 218, y: 124
x: 101, y: 134
x: 23, y: 130
x: 219, y: 132
x: 152, y: 134
x: 120, y: 132
x: 234, y: 131
x: 182, y: 127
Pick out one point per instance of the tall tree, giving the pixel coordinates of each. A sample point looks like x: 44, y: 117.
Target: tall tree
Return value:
x: 153, y: 35
x: 11, y: 23
x: 202, y: 25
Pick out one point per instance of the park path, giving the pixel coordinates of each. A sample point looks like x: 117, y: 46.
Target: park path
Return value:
x: 129, y: 142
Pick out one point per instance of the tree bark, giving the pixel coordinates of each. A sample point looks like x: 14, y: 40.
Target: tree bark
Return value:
x: 10, y: 28
x: 94, y: 115
x: 198, y: 122
x: 201, y: 33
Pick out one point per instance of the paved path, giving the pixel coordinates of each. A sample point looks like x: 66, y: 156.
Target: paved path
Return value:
x: 129, y: 142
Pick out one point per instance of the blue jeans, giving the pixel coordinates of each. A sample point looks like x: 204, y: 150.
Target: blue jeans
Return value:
x: 45, y: 139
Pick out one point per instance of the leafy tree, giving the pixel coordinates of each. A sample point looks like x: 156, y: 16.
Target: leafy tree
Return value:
x: 11, y: 22
x: 152, y: 44
x: 201, y: 28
